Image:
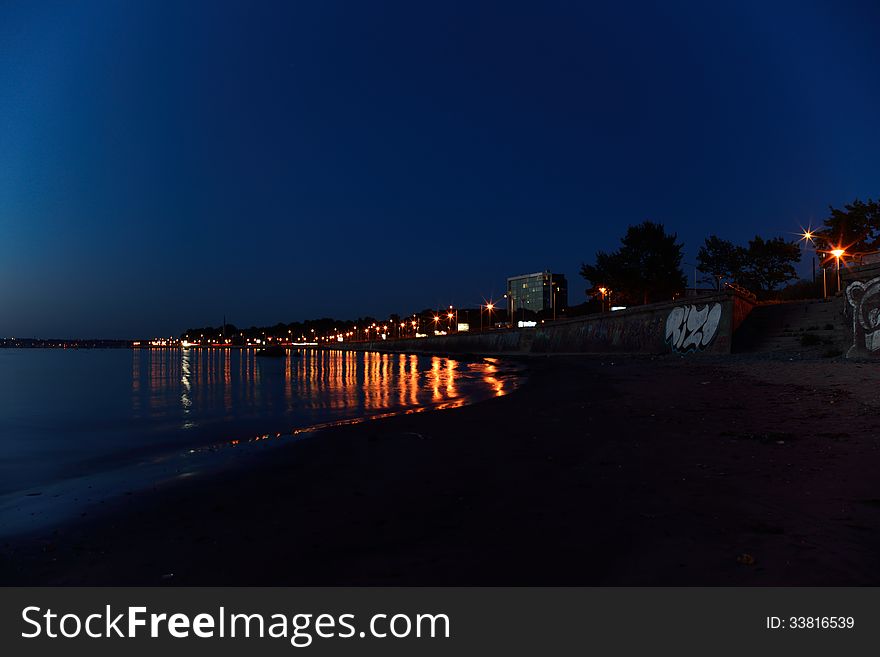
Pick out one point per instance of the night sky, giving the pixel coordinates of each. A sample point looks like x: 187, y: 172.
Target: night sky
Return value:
x: 165, y: 164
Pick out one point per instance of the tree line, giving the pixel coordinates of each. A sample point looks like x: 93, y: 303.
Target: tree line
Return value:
x: 647, y: 265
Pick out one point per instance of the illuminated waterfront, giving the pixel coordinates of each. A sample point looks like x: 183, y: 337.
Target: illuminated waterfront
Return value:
x: 69, y: 414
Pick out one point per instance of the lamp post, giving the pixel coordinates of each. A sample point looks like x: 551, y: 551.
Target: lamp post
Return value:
x: 808, y: 237
x: 838, y: 253
x: 489, y: 307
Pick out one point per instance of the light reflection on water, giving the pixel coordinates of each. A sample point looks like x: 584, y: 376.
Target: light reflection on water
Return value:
x: 73, y: 413
x: 345, y: 386
x: 200, y: 385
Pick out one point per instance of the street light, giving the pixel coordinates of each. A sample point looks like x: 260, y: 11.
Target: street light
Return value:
x: 489, y: 307
x: 808, y: 236
x: 838, y: 253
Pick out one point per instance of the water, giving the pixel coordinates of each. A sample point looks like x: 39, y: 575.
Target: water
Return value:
x: 111, y: 419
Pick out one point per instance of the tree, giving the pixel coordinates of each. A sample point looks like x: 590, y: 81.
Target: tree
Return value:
x: 646, y: 267
x: 609, y: 272
x: 721, y: 259
x: 769, y: 263
x: 856, y: 227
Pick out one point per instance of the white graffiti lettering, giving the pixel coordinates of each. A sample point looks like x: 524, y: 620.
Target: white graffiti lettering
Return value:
x: 691, y: 328
x: 864, y: 299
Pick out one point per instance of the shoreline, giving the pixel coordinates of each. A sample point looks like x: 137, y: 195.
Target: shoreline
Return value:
x: 603, y: 470
x: 28, y: 511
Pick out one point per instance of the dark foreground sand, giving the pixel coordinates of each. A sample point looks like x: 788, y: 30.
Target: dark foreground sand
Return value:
x: 598, y: 471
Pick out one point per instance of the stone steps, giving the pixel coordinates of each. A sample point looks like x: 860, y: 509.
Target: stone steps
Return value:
x: 815, y: 325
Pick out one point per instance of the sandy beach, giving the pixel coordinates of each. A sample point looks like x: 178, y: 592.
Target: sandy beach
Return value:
x: 597, y: 471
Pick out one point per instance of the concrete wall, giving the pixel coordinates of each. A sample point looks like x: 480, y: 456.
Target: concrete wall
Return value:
x: 695, y: 324
x: 862, y: 309
x: 490, y: 342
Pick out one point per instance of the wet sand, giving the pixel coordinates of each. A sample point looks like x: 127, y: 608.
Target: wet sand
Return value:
x: 598, y: 471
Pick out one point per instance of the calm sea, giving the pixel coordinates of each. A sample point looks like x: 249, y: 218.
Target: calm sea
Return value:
x: 67, y: 417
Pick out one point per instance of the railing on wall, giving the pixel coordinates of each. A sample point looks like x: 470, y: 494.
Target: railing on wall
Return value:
x: 870, y: 258
x: 743, y: 291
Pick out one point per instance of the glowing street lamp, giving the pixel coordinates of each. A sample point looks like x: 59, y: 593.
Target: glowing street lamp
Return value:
x: 838, y: 253
x: 604, y: 292
x: 808, y: 236
x: 490, y: 306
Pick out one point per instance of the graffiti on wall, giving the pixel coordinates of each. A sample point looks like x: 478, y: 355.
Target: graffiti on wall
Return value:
x: 692, y: 328
x: 864, y: 301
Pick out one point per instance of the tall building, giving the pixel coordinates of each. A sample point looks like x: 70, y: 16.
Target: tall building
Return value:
x: 541, y: 291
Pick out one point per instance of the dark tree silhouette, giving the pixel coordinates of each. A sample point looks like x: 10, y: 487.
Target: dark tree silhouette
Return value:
x: 721, y: 259
x: 769, y: 263
x: 856, y: 227
x: 646, y: 267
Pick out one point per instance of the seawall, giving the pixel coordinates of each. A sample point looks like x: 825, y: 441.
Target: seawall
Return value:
x: 702, y: 324
x: 862, y: 308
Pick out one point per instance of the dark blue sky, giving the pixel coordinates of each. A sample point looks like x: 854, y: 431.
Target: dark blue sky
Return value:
x: 164, y: 164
